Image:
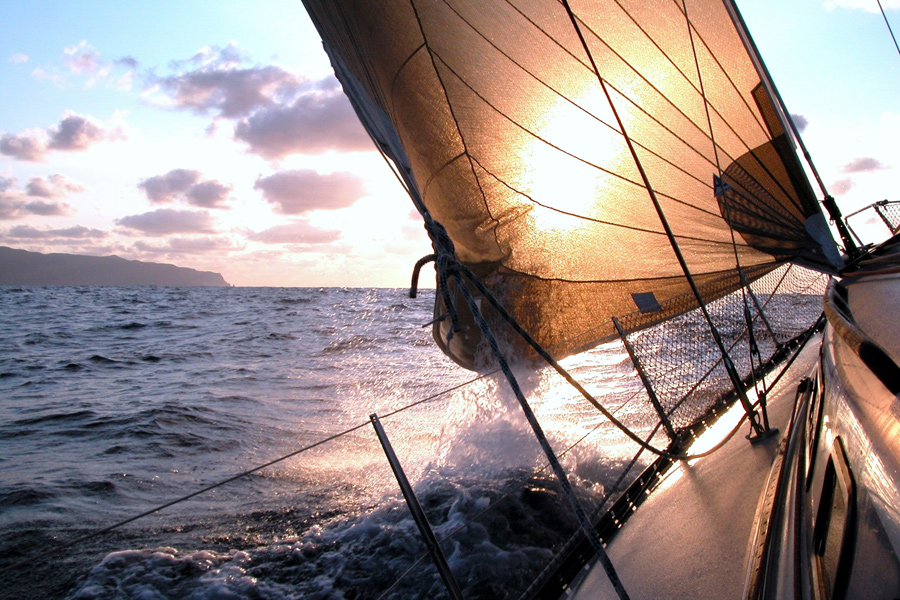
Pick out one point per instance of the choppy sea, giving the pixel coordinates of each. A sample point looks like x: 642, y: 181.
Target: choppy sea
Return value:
x: 116, y: 400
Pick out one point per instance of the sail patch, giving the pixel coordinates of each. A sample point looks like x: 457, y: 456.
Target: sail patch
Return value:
x: 646, y: 302
x: 720, y: 186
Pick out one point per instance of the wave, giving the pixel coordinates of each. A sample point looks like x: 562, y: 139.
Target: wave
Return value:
x: 498, y: 536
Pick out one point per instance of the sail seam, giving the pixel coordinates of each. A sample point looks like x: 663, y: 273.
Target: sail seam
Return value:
x: 576, y: 157
x: 565, y: 98
x: 621, y: 225
x: 737, y: 135
x: 432, y: 55
x: 677, y: 109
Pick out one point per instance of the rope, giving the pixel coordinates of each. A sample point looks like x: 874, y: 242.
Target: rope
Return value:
x: 506, y: 495
x: 448, y: 267
x: 560, y: 473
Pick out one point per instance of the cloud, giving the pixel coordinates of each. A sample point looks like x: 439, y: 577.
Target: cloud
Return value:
x: 866, y: 5
x: 299, y: 191
x: 18, y: 58
x: 313, y: 123
x: 275, y: 112
x: 84, y: 62
x: 55, y: 186
x: 79, y: 132
x: 83, y: 59
x: 16, y: 204
x: 864, y: 165
x: 53, y: 75
x: 17, y: 207
x: 166, y: 221
x: 841, y: 187
x: 209, y: 194
x: 230, y: 92
x: 31, y: 144
x: 129, y: 62
x: 74, y: 133
x: 186, y: 184
x: 72, y: 233
x: 46, y: 209
x: 165, y: 188
x: 187, y: 245
x: 215, y: 82
x: 300, y: 232
x: 800, y: 121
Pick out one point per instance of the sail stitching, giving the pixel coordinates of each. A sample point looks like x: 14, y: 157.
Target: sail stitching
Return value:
x: 732, y: 372
x: 672, y: 104
x: 576, y: 157
x: 610, y: 223
x: 432, y: 55
x: 666, y: 99
x: 736, y: 134
x: 724, y: 192
x: 629, y: 100
x: 581, y: 108
x: 753, y: 348
x: 752, y: 151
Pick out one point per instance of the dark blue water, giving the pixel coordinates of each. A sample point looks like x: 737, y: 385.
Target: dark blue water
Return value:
x: 116, y: 400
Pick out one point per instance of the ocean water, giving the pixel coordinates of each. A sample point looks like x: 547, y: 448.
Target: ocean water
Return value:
x: 117, y: 400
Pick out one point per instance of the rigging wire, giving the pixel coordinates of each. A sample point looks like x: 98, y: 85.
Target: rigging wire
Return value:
x: 534, y: 473
x: 673, y: 242
x: 643, y: 446
x: 886, y: 22
x: 723, y: 190
x: 99, y: 532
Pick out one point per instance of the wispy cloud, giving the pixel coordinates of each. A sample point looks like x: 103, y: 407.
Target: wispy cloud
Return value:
x: 842, y: 186
x: 166, y: 221
x: 18, y: 58
x: 74, y: 133
x: 78, y: 232
x: 299, y: 191
x: 83, y: 59
x: 864, y: 165
x: 82, y: 62
x: 187, y: 245
x: 300, y: 232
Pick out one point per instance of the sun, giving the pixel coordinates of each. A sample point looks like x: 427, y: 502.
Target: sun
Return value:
x: 568, y: 164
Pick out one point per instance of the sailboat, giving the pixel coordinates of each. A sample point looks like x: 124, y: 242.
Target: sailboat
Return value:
x: 626, y: 171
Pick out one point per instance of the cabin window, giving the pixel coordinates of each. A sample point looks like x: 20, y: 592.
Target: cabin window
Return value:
x: 834, y: 530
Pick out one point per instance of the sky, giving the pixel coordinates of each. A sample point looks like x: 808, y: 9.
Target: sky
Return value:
x: 213, y: 135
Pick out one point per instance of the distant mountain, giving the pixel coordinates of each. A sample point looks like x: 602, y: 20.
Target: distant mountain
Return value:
x: 20, y: 267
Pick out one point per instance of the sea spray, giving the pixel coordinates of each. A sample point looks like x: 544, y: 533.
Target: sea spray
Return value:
x: 213, y: 382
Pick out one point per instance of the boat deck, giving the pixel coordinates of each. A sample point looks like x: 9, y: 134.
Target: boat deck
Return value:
x: 692, y: 537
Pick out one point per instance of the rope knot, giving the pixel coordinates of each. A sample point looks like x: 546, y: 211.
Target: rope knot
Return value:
x: 445, y: 264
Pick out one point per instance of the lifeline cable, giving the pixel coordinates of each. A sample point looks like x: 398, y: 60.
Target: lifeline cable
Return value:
x: 213, y: 486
